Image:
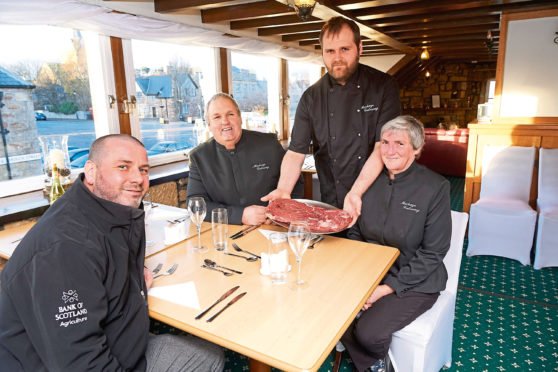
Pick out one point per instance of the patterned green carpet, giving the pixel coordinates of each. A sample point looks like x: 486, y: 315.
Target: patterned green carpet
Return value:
x: 506, y: 316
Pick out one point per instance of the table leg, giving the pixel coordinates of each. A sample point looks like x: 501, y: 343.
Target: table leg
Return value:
x: 307, y: 177
x: 257, y: 366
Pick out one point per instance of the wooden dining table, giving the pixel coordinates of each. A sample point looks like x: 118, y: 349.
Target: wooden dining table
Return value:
x: 274, y: 325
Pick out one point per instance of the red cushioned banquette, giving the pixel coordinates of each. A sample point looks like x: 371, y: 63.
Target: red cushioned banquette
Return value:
x: 445, y: 151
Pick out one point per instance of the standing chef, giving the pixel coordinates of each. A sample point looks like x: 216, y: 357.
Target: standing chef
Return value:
x: 341, y: 115
x: 235, y: 168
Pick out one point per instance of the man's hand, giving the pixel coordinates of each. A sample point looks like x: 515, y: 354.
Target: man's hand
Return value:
x: 253, y: 215
x: 380, y: 291
x: 276, y: 194
x: 353, y: 205
x: 148, y: 275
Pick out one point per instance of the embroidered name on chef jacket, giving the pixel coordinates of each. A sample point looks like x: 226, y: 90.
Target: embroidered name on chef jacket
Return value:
x: 368, y: 108
x: 410, y: 206
x: 72, y: 311
x: 260, y: 167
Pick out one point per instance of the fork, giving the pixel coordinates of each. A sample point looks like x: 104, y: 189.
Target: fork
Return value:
x: 177, y: 220
x: 157, y: 268
x: 168, y: 272
x: 316, y: 240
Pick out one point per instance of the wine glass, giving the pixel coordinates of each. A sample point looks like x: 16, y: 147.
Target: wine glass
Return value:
x: 147, y: 207
x: 197, y: 209
x: 299, y: 238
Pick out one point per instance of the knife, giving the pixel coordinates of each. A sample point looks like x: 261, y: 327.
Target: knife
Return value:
x: 239, y: 233
x: 226, y: 306
x: 227, y: 294
x: 244, y: 232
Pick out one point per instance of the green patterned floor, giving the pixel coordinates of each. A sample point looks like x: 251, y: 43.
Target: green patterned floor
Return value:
x: 506, y: 315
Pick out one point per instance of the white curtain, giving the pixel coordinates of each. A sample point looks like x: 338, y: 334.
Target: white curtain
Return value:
x: 76, y: 14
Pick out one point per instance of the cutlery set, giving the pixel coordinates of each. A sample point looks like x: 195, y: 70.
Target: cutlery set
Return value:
x: 224, y: 296
x: 244, y: 231
x: 168, y: 272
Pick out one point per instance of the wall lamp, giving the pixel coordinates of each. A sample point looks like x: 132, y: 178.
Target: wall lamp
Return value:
x: 425, y: 55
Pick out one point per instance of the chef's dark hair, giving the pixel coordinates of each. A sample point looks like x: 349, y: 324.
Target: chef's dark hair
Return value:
x: 334, y: 25
x: 407, y: 123
x: 215, y: 97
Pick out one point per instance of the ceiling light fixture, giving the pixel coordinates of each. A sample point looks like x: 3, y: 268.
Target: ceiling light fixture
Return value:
x: 427, y: 75
x: 303, y: 8
x: 425, y: 55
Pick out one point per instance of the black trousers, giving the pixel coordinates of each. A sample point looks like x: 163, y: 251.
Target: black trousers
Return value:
x: 368, y: 338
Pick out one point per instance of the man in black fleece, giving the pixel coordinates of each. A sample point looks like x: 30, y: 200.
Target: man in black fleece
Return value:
x: 74, y: 294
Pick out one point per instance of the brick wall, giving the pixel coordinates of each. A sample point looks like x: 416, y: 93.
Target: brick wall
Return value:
x: 18, y: 116
x: 461, y: 87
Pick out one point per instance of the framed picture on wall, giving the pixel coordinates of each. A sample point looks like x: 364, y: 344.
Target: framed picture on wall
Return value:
x: 435, y: 101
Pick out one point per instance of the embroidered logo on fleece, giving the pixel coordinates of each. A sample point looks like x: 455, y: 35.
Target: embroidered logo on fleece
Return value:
x: 261, y: 166
x: 410, y: 206
x: 72, y: 311
x: 368, y: 108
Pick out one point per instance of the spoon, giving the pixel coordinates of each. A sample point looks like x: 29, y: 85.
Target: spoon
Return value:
x: 213, y: 268
x: 246, y: 258
x: 210, y: 263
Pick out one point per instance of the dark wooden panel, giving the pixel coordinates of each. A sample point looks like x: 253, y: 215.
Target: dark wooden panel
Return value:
x: 303, y: 27
x: 120, y: 83
x: 268, y: 21
x: 244, y: 11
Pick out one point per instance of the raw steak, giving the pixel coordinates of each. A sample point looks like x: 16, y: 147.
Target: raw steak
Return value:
x: 319, y: 220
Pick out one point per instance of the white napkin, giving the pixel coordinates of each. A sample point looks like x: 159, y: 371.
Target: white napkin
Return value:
x: 183, y: 294
x: 267, y: 233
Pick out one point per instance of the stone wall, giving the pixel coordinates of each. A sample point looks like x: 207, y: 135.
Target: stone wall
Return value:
x: 18, y: 116
x: 461, y: 87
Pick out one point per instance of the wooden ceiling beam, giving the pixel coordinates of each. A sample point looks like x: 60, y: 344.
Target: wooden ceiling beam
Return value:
x: 268, y: 21
x: 280, y: 30
x: 244, y: 11
x: 417, y: 7
x: 301, y: 36
x: 352, y: 5
x: 444, y: 32
x: 177, y: 6
x: 481, y: 35
x: 309, y: 42
x: 444, y: 15
x: 459, y: 22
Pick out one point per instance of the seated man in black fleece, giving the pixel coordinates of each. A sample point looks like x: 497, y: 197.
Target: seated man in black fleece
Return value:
x: 236, y: 167
x: 74, y: 294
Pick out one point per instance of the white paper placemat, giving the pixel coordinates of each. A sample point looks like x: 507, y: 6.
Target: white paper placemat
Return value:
x: 183, y: 294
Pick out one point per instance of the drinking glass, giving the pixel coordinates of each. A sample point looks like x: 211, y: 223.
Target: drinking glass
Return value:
x: 197, y: 209
x: 278, y: 257
x: 220, y: 228
x: 147, y: 207
x: 299, y: 238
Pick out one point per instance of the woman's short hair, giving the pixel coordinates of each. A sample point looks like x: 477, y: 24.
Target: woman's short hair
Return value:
x: 407, y: 123
x: 215, y: 97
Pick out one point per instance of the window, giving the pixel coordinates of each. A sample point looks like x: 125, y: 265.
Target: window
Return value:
x: 44, y: 86
x: 255, y: 84
x: 173, y: 83
x: 301, y: 76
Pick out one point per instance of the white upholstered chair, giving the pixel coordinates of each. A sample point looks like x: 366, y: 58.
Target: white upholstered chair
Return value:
x: 425, y: 344
x: 546, y: 247
x: 502, y: 222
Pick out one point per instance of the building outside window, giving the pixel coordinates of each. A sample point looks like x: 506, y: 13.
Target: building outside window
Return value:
x: 173, y: 83
x: 44, y: 86
x: 301, y: 77
x: 255, y: 86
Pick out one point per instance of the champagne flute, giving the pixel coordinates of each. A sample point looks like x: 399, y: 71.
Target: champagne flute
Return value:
x: 299, y: 239
x: 197, y: 209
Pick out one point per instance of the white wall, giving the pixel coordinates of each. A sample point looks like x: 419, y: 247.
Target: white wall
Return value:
x: 382, y: 63
x: 530, y: 82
